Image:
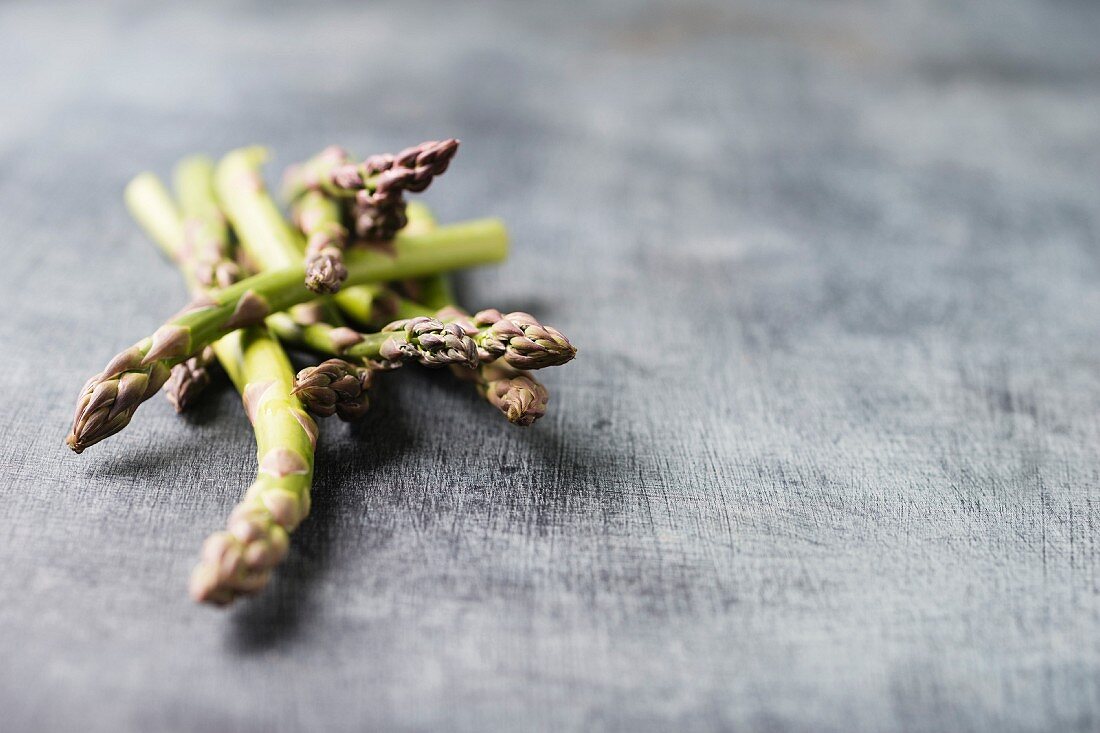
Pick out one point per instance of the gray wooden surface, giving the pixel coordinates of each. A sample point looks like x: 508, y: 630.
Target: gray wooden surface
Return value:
x: 827, y: 460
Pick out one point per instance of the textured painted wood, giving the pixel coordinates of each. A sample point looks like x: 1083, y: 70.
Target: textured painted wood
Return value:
x: 827, y: 459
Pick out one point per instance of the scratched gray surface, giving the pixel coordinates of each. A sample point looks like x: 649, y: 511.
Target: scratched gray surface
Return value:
x: 827, y: 460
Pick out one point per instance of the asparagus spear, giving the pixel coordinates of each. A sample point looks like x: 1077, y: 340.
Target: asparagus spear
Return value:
x: 206, y: 240
x: 265, y: 236
x: 318, y: 217
x: 375, y: 178
x: 109, y: 399
x: 239, y: 561
x: 516, y: 337
x: 205, y: 252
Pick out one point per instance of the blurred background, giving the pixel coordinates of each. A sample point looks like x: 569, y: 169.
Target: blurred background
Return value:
x: 826, y: 458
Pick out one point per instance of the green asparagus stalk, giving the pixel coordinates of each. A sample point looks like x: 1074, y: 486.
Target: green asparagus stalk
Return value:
x: 263, y: 232
x: 108, y: 400
x: 206, y: 242
x: 205, y: 253
x: 265, y: 236
x: 239, y: 560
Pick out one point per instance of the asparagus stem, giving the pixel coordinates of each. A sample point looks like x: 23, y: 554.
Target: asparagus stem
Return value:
x: 436, y: 291
x: 108, y: 400
x: 204, y: 253
x: 206, y: 242
x: 239, y: 561
x: 369, y: 305
x: 263, y: 232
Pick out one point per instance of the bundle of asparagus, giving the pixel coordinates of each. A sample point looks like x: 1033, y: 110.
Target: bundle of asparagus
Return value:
x: 360, y: 278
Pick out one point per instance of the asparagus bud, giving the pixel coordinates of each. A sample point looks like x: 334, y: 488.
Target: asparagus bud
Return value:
x: 428, y: 341
x: 521, y: 398
x: 109, y: 399
x: 377, y: 220
x: 517, y: 394
x: 516, y: 337
x: 377, y: 183
x: 189, y: 379
x: 335, y: 387
x: 239, y: 560
x: 318, y: 217
x: 325, y: 268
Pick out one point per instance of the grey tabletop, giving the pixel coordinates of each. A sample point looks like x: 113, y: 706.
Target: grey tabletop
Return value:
x: 826, y: 461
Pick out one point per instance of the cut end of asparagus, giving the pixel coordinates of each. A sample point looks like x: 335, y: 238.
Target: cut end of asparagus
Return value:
x: 335, y: 387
